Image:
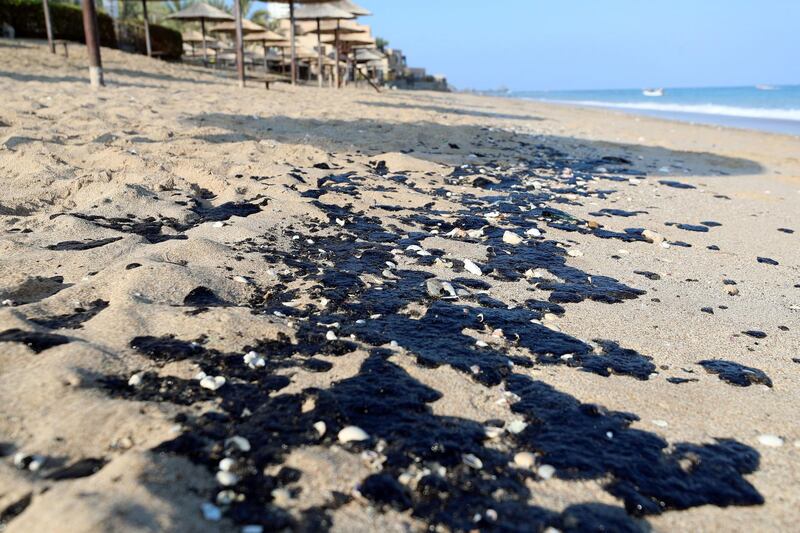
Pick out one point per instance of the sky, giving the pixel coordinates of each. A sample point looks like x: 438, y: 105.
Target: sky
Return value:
x: 595, y: 44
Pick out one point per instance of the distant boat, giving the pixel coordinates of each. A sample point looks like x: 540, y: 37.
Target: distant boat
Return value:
x: 762, y: 87
x: 653, y: 92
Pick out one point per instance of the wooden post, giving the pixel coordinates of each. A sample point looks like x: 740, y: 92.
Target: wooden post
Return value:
x: 48, y: 26
x: 92, y: 43
x: 291, y: 38
x: 205, y: 50
x: 283, y: 60
x: 266, y: 67
x: 237, y: 14
x: 319, y: 54
x: 146, y: 29
x: 336, y: 57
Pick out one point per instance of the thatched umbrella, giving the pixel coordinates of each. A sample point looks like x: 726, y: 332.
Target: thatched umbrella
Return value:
x: 292, y: 28
x: 336, y: 28
x: 318, y: 13
x: 201, y: 12
x: 353, y: 8
x: 194, y: 37
x: 248, y: 26
x: 267, y: 39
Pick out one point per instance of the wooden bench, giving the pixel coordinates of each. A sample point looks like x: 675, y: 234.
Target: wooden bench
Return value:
x: 61, y: 42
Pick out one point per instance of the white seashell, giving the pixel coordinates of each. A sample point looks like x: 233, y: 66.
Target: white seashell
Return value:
x: 772, y: 441
x: 509, y: 237
x: 227, y: 464
x: 525, y: 459
x: 227, y: 479
x: 472, y: 461
x: 212, y: 383
x: 321, y: 428
x: 472, y: 268
x: 352, y: 434
x: 533, y: 232
x: 240, y: 442
x: 517, y: 426
x: 135, y: 380
x: 546, y: 471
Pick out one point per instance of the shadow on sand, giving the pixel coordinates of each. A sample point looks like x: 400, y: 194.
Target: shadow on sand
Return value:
x: 446, y: 144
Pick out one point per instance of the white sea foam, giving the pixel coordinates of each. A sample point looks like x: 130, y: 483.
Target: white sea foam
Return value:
x: 699, y: 109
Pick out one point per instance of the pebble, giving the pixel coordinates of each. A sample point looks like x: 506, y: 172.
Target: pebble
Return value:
x: 660, y: 423
x: 211, y: 512
x: 472, y: 461
x: 546, y: 471
x: 652, y: 237
x: 218, y: 224
x: 227, y: 479
x: 321, y: 428
x: 212, y: 383
x: 352, y: 434
x: 525, y: 459
x: 253, y: 360
x: 331, y: 336
x: 240, y: 279
x: 472, y: 268
x: 509, y: 237
x: 772, y: 441
x: 533, y: 232
x: 135, y: 380
x: 227, y: 464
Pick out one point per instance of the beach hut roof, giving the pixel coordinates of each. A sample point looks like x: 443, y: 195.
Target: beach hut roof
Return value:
x: 330, y: 27
x: 353, y: 8
x: 265, y: 37
x: 194, y: 36
x: 326, y: 11
x: 248, y: 26
x: 200, y: 11
x: 351, y: 39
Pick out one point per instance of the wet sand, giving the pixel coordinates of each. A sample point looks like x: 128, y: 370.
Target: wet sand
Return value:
x: 466, y: 283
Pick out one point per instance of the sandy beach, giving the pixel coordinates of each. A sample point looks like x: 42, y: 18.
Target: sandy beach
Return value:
x: 309, y: 309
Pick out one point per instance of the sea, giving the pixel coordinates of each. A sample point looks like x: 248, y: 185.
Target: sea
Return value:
x: 767, y: 108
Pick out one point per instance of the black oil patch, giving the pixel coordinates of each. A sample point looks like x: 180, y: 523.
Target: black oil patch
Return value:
x: 736, y: 374
x: 82, y: 245
x: 38, y: 342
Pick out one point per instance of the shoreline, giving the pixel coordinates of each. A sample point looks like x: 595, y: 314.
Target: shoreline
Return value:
x: 407, y: 294
x: 759, y: 124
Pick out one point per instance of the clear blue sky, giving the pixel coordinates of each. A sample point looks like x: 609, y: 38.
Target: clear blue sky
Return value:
x: 595, y: 44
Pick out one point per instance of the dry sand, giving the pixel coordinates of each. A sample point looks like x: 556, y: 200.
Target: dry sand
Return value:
x: 164, y: 145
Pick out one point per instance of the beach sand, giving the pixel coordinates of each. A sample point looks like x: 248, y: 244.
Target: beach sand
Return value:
x: 171, y: 203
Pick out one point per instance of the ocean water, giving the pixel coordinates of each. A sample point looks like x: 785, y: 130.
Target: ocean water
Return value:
x: 773, y: 108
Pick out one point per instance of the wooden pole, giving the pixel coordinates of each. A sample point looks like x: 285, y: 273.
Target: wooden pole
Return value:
x: 283, y: 60
x: 146, y: 29
x: 266, y: 67
x: 92, y: 43
x: 336, y: 74
x: 319, y: 54
x: 205, y: 50
x: 237, y: 13
x: 48, y: 26
x: 291, y: 38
